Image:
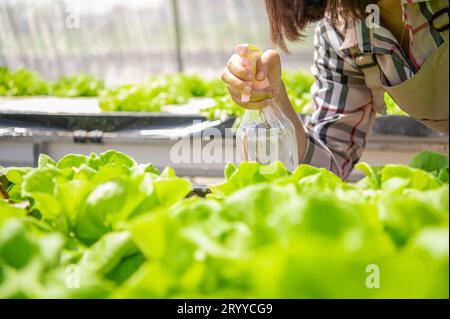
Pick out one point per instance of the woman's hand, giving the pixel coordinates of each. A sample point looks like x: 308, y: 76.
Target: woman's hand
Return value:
x: 239, y: 80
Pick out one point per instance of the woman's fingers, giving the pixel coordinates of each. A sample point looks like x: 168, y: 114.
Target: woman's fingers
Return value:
x: 235, y: 66
x: 253, y: 104
x: 235, y: 83
x: 239, y: 80
x: 256, y: 95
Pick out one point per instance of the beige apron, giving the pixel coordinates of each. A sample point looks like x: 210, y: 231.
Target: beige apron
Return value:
x: 425, y: 96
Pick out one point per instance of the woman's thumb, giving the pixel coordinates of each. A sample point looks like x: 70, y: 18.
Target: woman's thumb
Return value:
x: 269, y: 60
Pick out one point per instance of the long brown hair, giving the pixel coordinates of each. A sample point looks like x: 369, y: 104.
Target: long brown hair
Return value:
x: 288, y: 18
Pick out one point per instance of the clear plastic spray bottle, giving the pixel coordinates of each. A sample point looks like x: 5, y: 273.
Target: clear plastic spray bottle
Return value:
x: 265, y: 136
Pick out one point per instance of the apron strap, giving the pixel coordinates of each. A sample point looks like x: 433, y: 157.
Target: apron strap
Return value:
x: 440, y: 19
x: 368, y: 64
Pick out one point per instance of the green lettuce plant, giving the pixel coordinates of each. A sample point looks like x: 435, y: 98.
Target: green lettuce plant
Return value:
x: 131, y: 231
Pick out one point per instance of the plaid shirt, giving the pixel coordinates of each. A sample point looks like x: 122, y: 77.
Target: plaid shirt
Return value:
x: 343, y: 105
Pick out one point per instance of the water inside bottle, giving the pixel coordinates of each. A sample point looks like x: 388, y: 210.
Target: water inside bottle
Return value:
x: 262, y: 143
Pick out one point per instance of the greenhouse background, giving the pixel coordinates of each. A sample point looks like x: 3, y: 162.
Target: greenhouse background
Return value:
x: 125, y: 41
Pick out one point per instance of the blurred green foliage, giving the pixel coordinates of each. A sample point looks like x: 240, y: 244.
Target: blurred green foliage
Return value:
x: 157, y: 92
x: 23, y: 82
x: 116, y: 229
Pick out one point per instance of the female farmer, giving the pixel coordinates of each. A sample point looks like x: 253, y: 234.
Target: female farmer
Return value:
x: 357, y: 59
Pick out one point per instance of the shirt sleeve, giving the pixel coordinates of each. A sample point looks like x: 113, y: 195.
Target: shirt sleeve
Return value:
x: 343, y: 108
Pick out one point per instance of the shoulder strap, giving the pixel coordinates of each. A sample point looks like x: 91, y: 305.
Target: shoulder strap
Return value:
x: 440, y: 18
x: 368, y: 64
